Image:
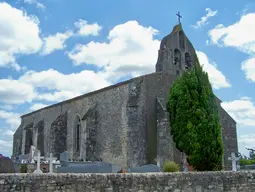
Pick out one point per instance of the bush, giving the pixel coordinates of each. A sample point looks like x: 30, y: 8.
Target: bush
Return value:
x: 23, y: 168
x: 247, y: 161
x: 170, y: 166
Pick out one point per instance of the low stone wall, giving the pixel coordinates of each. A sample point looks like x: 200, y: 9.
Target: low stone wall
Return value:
x: 176, y: 182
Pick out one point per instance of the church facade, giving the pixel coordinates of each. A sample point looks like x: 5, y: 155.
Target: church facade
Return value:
x: 125, y: 124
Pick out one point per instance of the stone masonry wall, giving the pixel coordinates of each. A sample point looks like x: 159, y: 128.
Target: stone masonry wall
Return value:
x: 157, y: 85
x: 165, y: 144
x: 136, y: 131
x: 229, y: 137
x: 17, y: 142
x: 174, y: 182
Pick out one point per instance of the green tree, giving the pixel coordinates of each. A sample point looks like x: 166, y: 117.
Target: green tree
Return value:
x: 194, y: 119
x: 248, y: 161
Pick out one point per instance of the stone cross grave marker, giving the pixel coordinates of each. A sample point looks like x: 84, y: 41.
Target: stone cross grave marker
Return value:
x: 32, y: 154
x: 234, y: 159
x: 38, y: 170
x: 51, y: 162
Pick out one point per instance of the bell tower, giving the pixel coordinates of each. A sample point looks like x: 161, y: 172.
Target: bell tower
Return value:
x: 176, y: 53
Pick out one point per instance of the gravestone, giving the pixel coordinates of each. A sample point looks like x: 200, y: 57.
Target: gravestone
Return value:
x: 51, y: 162
x: 31, y: 154
x: 88, y: 167
x: 38, y: 170
x: 144, y: 169
x: 248, y: 167
x: 85, y: 167
x: 64, y: 157
x: 234, y: 159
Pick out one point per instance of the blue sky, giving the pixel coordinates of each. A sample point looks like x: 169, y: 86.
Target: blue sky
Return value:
x: 52, y: 50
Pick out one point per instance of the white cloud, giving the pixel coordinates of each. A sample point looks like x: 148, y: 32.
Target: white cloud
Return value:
x: 6, y: 147
x: 248, y: 67
x: 242, y: 12
x: 15, y: 92
x: 56, y: 85
x: 38, y: 5
x: 249, y: 140
x: 49, y: 85
x: 131, y: 50
x: 37, y: 106
x: 246, y: 141
x: 55, y: 42
x: 30, y: 1
x: 58, y: 95
x: 204, y: 20
x: 7, y: 59
x: 241, y: 36
x: 217, y: 79
x: 4, y: 144
x: 7, y: 107
x: 245, y: 98
x: 9, y: 132
x: 12, y: 119
x: 14, y: 39
x: 242, y: 110
x: 86, y: 29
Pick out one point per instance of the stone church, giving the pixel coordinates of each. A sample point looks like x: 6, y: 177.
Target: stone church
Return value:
x: 126, y: 123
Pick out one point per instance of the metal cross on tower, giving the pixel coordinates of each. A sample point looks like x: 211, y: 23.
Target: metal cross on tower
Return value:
x: 179, y: 17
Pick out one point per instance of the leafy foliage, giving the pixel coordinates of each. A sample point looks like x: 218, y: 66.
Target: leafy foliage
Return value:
x: 248, y: 161
x: 170, y: 166
x: 194, y: 119
x: 23, y: 168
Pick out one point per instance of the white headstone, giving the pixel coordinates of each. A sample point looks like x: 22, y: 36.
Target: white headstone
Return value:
x: 185, y: 168
x: 234, y: 159
x: 51, y: 162
x: 158, y: 161
x: 32, y: 154
x: 38, y: 170
x: 184, y: 162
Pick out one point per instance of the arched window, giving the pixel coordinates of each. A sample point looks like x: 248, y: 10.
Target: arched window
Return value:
x: 29, y: 140
x: 187, y: 61
x: 77, y: 132
x: 177, y: 58
x: 181, y: 39
x: 40, y: 137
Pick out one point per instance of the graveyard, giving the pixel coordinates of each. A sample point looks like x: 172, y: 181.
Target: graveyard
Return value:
x: 65, y: 165
x: 63, y: 174
x: 66, y: 175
